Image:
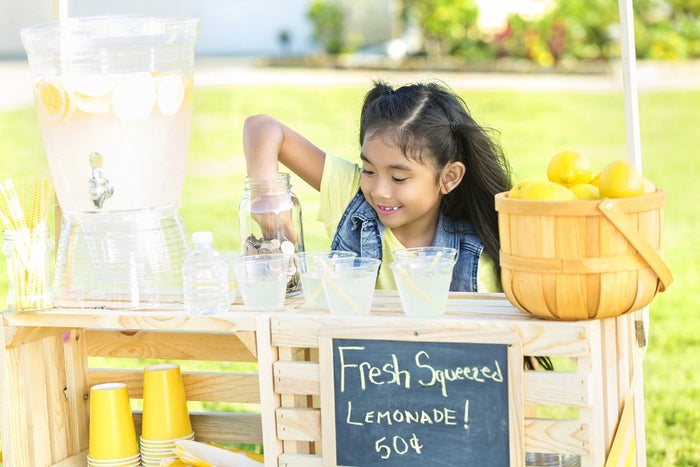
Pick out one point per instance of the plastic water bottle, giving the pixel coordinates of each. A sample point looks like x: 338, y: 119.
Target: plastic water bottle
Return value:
x: 204, y: 278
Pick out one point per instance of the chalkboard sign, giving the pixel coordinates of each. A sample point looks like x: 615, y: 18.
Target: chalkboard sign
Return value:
x: 407, y: 401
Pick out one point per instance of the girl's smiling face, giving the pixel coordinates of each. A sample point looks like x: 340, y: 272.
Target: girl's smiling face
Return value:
x: 405, y: 193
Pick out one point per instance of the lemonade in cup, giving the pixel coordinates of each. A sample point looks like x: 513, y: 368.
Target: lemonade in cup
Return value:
x: 306, y: 263
x: 349, y: 283
x: 262, y: 279
x: 423, y: 284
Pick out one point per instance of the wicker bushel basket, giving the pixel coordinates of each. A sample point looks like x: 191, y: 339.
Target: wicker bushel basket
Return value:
x: 573, y: 260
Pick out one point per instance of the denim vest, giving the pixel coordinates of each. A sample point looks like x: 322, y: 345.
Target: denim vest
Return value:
x: 359, y: 230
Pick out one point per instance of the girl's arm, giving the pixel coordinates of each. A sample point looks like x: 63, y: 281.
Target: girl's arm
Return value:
x: 266, y: 142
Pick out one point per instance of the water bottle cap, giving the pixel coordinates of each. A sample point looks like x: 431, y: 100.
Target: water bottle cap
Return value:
x: 202, y: 237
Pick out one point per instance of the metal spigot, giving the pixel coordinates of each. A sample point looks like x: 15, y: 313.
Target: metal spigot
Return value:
x: 99, y: 187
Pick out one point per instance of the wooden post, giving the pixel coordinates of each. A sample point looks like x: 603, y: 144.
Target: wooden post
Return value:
x: 634, y: 155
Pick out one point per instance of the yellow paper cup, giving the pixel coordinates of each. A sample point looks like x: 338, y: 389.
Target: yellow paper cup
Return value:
x: 112, y: 434
x: 165, y: 414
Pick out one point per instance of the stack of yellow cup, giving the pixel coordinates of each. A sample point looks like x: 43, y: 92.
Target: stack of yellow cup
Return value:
x: 112, y: 434
x: 166, y: 418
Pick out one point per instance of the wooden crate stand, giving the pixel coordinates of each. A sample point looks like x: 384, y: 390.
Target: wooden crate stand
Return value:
x: 606, y: 353
x: 45, y: 376
x: 46, y: 379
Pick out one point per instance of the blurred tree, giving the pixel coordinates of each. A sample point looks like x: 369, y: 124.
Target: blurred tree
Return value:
x: 328, y: 20
x: 446, y: 25
x: 587, y: 24
x: 687, y: 7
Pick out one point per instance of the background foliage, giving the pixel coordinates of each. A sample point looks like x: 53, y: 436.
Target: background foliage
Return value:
x: 533, y: 126
x: 571, y: 30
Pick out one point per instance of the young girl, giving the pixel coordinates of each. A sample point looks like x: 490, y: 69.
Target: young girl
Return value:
x: 428, y: 177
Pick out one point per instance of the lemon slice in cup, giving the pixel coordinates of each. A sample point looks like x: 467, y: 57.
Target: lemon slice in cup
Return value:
x: 134, y: 96
x: 53, y: 98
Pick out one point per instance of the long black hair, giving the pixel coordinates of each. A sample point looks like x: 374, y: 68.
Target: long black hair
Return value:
x: 430, y: 123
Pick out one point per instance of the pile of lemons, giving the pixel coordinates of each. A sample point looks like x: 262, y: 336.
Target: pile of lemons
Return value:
x: 570, y: 177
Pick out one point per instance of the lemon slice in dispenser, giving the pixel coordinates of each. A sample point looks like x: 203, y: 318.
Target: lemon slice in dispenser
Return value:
x: 171, y: 92
x: 134, y: 96
x: 52, y: 98
x: 92, y: 93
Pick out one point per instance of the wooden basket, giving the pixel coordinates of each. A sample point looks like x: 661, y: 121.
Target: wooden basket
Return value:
x: 574, y: 260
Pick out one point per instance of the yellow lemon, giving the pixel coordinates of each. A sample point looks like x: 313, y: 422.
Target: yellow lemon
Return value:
x: 595, y: 181
x: 585, y: 191
x: 620, y: 179
x: 569, y: 168
x: 547, y: 191
x: 517, y: 190
x: 52, y: 98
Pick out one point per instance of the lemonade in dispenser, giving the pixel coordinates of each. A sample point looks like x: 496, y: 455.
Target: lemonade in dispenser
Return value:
x: 114, y: 103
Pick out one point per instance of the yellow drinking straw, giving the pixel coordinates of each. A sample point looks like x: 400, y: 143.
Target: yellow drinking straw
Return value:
x: 330, y: 281
x: 409, y: 282
x: 29, y: 272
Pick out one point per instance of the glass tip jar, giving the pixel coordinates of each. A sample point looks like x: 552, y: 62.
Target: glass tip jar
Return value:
x: 270, y: 221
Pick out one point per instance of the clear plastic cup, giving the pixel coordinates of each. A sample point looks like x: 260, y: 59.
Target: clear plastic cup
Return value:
x: 349, y: 284
x: 423, y: 284
x: 310, y: 279
x: 262, y: 280
x: 165, y: 413
x: 425, y: 251
x: 112, y: 434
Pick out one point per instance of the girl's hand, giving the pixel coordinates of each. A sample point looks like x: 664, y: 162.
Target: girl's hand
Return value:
x: 275, y: 216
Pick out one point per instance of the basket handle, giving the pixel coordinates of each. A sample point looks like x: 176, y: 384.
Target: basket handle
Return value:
x: 650, y: 255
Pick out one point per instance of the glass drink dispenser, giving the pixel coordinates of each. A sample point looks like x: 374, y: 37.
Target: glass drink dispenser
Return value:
x: 114, y: 102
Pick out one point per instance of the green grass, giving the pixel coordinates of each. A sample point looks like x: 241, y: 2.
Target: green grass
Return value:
x: 533, y: 126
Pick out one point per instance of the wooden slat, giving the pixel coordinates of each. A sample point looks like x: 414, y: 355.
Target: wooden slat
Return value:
x: 300, y: 460
x: 543, y: 388
x: 54, y: 397
x: 298, y: 424
x: 77, y: 460
x: 593, y: 364
x: 293, y: 400
x: 221, y: 427
x: 560, y: 389
x: 172, y: 320
x: 297, y: 377
x: 539, y: 337
x: 37, y: 394
x: 199, y: 386
x: 16, y: 336
x: 169, y: 345
x: 77, y: 388
x: 269, y: 400
x: 565, y: 436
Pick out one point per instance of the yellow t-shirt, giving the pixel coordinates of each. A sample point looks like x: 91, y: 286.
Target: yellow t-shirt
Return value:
x: 340, y: 182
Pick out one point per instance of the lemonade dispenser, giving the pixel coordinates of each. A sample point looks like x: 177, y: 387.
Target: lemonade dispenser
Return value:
x: 114, y: 102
